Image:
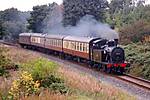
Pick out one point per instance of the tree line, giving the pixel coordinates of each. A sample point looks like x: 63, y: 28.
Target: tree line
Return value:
x: 131, y: 18
x: 12, y: 22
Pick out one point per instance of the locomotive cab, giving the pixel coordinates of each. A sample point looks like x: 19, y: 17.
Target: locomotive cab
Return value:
x: 97, y: 50
x: 111, y: 43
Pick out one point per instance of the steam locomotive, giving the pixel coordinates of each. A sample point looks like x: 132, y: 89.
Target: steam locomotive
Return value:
x: 97, y: 52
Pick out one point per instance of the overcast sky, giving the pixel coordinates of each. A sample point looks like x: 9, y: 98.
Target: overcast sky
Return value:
x: 25, y: 5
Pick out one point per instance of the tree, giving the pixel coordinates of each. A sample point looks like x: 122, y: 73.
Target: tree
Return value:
x: 75, y: 9
x: 37, y: 16
x: 2, y: 29
x: 39, y: 13
x: 12, y: 23
x: 11, y: 14
x: 134, y: 32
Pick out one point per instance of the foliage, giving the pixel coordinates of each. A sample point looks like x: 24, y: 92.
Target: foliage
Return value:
x: 44, y: 71
x: 74, y: 10
x: 13, y: 22
x: 132, y: 17
x: 134, y: 32
x: 4, y: 61
x: 2, y: 29
x: 40, y: 68
x: 46, y: 82
x: 124, y: 12
x: 54, y: 83
x: 11, y: 14
x: 39, y: 13
x: 23, y: 86
x: 139, y: 57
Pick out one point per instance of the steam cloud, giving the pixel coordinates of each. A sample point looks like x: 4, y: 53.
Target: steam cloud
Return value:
x: 87, y: 26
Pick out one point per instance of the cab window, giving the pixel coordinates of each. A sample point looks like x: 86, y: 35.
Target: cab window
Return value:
x: 111, y: 43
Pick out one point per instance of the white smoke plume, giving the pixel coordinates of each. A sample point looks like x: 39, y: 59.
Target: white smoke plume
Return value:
x: 87, y: 26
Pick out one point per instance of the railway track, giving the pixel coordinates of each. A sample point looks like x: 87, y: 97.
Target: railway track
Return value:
x: 8, y: 43
x: 135, y: 81
x: 142, y: 83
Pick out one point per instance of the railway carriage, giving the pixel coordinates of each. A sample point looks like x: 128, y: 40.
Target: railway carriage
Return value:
x: 24, y: 39
x: 54, y: 42
x: 77, y: 46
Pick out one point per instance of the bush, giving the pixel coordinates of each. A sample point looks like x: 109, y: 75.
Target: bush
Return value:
x: 134, y: 32
x: 40, y: 68
x: 47, y: 81
x: 59, y: 87
x: 4, y: 61
x: 23, y: 86
x: 44, y: 71
x: 54, y: 83
x: 139, y: 57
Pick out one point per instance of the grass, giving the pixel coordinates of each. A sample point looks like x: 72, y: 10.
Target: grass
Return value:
x: 81, y: 85
x: 19, y: 55
x: 86, y: 87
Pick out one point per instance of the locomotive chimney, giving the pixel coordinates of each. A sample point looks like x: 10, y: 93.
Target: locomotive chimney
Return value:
x: 116, y: 40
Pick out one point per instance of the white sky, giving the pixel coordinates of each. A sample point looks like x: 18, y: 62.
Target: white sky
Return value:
x: 25, y: 5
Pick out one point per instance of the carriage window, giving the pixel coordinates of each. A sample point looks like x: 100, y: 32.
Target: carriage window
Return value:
x: 77, y: 45
x: 56, y: 42
x: 87, y: 48
x: 81, y: 47
x: 50, y: 41
x: 60, y: 43
x: 73, y: 45
x: 53, y: 42
x: 66, y: 44
x: 84, y: 47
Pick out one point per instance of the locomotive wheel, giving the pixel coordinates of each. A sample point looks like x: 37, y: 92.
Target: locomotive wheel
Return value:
x: 99, y: 66
x: 109, y: 70
x: 121, y: 71
x: 104, y: 68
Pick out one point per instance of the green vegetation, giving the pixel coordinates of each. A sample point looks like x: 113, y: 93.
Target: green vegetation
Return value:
x: 139, y: 57
x: 12, y: 23
x: 131, y: 18
x: 40, y: 68
x: 34, y: 76
x: 75, y: 10
x: 23, y: 86
x: 45, y: 72
x: 5, y: 62
x: 38, y: 78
